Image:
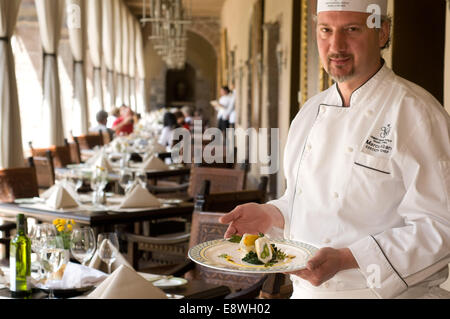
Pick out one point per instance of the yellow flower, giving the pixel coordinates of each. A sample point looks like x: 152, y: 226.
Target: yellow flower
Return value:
x: 72, y: 222
x: 69, y: 227
x: 60, y: 228
x: 56, y: 222
x: 63, y: 221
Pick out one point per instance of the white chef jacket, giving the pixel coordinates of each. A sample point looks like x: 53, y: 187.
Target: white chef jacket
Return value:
x: 226, y: 102
x: 373, y: 177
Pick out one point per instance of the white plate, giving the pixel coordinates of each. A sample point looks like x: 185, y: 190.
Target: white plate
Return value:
x: 208, y: 254
x: 171, y: 282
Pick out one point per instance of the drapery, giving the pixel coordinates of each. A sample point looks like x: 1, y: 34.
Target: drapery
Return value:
x: 11, y: 152
x: 132, y: 61
x: 118, y: 51
x: 94, y: 29
x: 140, y: 69
x: 50, y: 16
x: 125, y: 55
x: 108, y: 50
x: 76, y: 27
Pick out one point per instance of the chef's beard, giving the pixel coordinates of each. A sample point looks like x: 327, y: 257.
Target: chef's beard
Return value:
x: 336, y: 77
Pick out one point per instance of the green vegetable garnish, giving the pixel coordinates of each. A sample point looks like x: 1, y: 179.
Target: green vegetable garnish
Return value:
x: 235, y: 239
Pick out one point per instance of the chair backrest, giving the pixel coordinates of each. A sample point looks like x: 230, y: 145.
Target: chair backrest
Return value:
x: 75, y: 153
x: 206, y: 227
x: 61, y: 154
x: 107, y: 136
x: 221, y: 179
x: 18, y: 183
x: 89, y: 141
x: 45, y: 171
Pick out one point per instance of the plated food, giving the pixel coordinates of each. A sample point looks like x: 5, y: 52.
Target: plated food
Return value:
x: 252, y: 253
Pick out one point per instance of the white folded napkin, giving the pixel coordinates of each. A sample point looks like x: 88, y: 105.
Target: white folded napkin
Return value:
x: 125, y: 283
x: 59, y: 196
x: 158, y: 148
x: 75, y: 276
x: 154, y: 163
x: 139, y: 197
x: 99, y: 264
x: 97, y: 154
x: 102, y: 161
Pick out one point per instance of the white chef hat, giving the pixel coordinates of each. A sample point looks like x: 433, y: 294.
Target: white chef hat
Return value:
x: 365, y: 6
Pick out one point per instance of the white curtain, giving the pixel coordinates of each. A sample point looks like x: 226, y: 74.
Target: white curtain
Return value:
x: 125, y: 55
x: 132, y: 61
x: 11, y: 152
x: 108, y: 50
x: 94, y: 27
x: 76, y: 26
x: 140, y: 69
x: 118, y: 51
x: 50, y: 17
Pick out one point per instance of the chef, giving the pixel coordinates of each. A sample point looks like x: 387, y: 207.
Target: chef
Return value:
x: 370, y: 185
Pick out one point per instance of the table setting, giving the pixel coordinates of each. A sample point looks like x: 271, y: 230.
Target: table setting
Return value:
x: 79, y: 272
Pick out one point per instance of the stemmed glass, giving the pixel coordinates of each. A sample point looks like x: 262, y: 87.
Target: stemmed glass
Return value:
x: 108, y: 247
x: 126, y: 180
x: 82, y: 244
x: 77, y: 179
x: 38, y: 233
x: 53, y: 257
x: 99, y: 180
x: 141, y: 177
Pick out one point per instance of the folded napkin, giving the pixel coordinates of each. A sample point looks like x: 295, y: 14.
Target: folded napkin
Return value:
x: 59, y: 196
x: 94, y: 157
x: 139, y: 197
x: 102, y: 161
x: 125, y: 283
x: 75, y: 276
x: 154, y: 163
x: 99, y: 264
x: 158, y: 148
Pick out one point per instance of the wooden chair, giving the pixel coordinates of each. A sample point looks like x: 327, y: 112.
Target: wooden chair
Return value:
x: 45, y: 171
x: 5, y: 234
x: 107, y: 136
x: 221, y: 180
x: 89, y: 141
x: 75, y: 153
x: 61, y: 154
x: 227, y: 201
x: 18, y: 183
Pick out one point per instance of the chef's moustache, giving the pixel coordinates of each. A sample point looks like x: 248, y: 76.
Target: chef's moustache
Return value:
x: 339, y: 56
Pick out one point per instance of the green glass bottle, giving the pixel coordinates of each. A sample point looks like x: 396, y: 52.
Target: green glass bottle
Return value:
x: 20, y: 261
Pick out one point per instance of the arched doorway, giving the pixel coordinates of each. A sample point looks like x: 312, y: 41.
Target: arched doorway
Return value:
x: 180, y: 87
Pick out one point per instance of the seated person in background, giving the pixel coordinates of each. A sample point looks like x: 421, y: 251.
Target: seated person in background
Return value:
x: 181, y: 120
x: 188, y: 116
x: 102, y: 119
x: 124, y: 125
x: 113, y: 116
x: 170, y: 124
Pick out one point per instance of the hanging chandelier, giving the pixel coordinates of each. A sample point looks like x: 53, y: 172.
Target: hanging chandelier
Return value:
x: 168, y: 19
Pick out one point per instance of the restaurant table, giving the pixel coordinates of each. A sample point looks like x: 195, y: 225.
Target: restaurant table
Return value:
x: 99, y: 220
x: 194, y: 289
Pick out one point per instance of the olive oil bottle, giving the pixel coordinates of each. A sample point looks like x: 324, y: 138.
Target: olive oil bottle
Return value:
x: 20, y: 261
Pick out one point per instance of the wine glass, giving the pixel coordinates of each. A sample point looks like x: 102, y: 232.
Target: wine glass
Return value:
x: 108, y: 248
x: 82, y: 244
x: 99, y: 180
x: 77, y: 179
x: 141, y: 177
x: 126, y: 179
x: 38, y: 233
x: 53, y: 257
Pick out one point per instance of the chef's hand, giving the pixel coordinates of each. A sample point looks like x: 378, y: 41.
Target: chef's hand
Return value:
x: 252, y: 219
x: 325, y: 264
